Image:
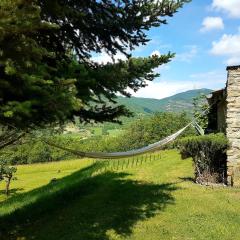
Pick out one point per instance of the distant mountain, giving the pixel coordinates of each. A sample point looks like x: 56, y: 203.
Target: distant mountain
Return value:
x: 176, y: 103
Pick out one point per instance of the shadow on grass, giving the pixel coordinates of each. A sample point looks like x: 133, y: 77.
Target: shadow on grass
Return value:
x: 187, y: 179
x: 82, y: 206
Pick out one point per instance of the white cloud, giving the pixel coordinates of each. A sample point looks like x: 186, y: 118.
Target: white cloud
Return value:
x: 212, y: 23
x: 187, y: 56
x: 229, y: 46
x: 105, y: 58
x: 156, y: 52
x: 163, y: 89
x: 215, y: 79
x: 231, y: 7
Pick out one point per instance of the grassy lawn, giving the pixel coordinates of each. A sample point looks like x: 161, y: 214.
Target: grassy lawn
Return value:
x: 115, y: 132
x: 154, y: 200
x: 97, y: 131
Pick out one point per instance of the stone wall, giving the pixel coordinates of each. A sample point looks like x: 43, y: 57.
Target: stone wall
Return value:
x: 233, y: 125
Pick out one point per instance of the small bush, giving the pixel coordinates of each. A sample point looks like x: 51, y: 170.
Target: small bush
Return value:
x: 209, y: 156
x: 7, y: 173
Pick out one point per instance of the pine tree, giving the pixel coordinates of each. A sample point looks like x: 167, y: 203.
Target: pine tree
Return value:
x: 47, y: 74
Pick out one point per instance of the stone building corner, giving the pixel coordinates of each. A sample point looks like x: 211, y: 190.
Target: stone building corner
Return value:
x: 233, y: 125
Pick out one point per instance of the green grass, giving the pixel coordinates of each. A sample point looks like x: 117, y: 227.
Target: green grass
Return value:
x: 97, y: 131
x: 115, y: 132
x: 154, y: 200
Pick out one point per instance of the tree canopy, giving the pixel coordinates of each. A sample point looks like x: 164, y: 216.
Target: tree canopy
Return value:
x: 47, y: 74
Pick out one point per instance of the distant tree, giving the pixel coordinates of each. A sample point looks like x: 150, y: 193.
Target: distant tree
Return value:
x: 47, y: 74
x: 201, y: 110
x: 152, y: 129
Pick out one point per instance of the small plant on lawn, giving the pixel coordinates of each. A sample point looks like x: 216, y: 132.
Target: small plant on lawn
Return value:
x: 209, y: 156
x: 7, y: 173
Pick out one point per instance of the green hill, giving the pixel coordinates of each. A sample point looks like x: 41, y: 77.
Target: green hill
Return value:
x: 176, y: 103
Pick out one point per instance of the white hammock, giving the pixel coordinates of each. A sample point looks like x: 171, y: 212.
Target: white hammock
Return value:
x: 149, y: 148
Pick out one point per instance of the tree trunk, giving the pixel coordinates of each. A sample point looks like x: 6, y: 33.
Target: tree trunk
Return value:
x: 8, y: 181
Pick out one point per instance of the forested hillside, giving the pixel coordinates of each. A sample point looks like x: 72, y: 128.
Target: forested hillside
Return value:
x: 176, y: 103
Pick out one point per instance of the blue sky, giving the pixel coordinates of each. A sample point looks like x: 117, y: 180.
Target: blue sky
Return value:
x: 205, y: 35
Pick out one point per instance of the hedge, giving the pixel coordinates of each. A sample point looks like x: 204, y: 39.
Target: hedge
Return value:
x: 209, y: 156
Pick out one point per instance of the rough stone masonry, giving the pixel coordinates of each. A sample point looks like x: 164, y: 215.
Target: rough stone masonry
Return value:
x: 233, y: 125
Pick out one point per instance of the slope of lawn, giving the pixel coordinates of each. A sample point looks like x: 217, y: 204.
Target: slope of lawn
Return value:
x: 148, y: 200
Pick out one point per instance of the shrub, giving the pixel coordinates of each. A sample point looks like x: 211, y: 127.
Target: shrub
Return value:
x: 33, y: 152
x: 209, y: 156
x: 6, y: 173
